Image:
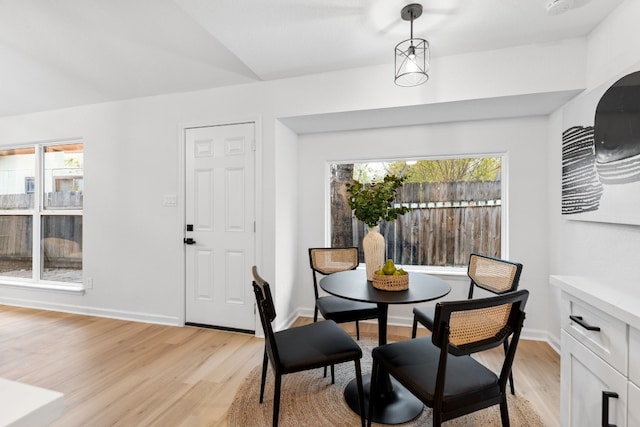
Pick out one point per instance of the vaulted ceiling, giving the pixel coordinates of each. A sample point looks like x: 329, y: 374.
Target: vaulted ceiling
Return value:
x: 63, y: 53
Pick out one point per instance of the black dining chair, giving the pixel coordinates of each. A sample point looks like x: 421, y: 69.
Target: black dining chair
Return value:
x: 302, y: 348
x: 327, y: 261
x: 494, y: 275
x: 440, y: 371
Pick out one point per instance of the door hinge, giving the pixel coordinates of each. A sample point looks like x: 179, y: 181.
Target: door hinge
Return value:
x: 254, y: 226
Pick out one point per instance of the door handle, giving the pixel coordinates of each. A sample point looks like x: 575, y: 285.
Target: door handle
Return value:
x: 606, y: 395
x: 189, y: 241
x: 579, y: 321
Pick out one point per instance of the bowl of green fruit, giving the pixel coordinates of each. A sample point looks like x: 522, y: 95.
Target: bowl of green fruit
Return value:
x: 390, y: 278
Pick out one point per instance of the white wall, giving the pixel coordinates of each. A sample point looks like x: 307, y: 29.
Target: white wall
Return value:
x: 286, y: 198
x: 522, y: 140
x: 133, y: 245
x: 604, y: 252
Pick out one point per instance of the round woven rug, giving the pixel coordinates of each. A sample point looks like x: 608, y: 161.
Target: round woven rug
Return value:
x: 309, y: 399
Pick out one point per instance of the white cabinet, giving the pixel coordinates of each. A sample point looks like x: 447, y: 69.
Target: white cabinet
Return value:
x: 633, y: 405
x: 584, y: 378
x: 600, y: 358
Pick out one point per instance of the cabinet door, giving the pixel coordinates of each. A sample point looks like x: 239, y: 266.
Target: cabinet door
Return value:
x: 634, y: 405
x: 634, y: 355
x: 584, y: 376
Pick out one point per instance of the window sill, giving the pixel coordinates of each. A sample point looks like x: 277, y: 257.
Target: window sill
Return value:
x: 434, y: 271
x: 69, y: 288
x: 439, y: 271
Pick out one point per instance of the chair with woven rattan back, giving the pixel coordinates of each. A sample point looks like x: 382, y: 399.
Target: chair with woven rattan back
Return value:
x: 494, y: 275
x: 440, y: 371
x: 302, y: 348
x: 325, y: 261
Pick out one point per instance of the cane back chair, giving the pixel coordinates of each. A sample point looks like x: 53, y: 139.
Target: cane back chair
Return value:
x: 439, y: 369
x: 303, y: 348
x: 325, y: 261
x: 494, y: 275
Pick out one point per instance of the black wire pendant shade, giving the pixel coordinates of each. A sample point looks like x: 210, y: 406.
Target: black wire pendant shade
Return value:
x: 411, y: 55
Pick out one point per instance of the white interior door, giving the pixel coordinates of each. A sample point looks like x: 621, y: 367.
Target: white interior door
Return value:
x: 219, y: 213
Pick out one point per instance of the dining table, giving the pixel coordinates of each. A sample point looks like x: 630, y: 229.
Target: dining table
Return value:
x: 394, y: 404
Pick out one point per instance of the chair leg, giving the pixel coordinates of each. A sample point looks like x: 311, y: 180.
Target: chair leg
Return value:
x: 357, y: 330
x: 513, y: 389
x: 414, y: 329
x: 437, y: 418
x: 315, y: 315
x: 504, y: 412
x: 372, y: 390
x: 276, y: 400
x: 265, y: 362
x: 360, y: 391
x: 333, y: 377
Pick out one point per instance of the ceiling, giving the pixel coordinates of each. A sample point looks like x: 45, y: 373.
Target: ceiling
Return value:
x: 63, y: 53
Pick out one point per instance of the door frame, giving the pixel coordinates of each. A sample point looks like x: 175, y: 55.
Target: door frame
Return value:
x: 181, y: 204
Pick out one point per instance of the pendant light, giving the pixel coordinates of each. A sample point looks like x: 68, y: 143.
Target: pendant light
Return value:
x: 412, y: 55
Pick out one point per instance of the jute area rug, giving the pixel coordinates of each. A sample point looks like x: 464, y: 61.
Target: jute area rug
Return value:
x: 309, y: 399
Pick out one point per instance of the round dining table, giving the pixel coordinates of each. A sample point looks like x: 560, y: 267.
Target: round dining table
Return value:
x: 394, y: 404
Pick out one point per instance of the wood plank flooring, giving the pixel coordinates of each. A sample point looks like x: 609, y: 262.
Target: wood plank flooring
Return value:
x: 119, y: 373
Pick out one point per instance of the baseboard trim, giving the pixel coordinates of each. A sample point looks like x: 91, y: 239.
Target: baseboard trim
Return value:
x: 93, y: 311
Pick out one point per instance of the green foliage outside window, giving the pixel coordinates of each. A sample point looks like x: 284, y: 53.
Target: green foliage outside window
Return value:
x: 372, y: 203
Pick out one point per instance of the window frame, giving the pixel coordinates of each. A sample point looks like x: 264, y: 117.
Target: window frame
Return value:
x: 37, y: 213
x: 431, y: 269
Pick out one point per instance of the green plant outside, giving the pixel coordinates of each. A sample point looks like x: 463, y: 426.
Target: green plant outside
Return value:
x: 373, y: 203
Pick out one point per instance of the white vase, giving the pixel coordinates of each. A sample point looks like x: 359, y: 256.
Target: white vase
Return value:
x: 374, y: 250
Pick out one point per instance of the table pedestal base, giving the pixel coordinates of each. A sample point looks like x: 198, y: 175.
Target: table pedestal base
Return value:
x: 395, y: 407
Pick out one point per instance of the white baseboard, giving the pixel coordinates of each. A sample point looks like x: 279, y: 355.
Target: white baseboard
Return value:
x: 93, y: 311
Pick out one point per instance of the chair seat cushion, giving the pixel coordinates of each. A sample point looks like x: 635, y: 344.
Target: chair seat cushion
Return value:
x: 425, y: 316
x: 415, y: 364
x: 343, y: 310
x: 315, y: 345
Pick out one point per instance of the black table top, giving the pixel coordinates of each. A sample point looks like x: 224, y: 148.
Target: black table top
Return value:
x: 353, y: 285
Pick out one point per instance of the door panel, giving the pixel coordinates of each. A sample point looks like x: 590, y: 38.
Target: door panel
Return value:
x: 219, y: 203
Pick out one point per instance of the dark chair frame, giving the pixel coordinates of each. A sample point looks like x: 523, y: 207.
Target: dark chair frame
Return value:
x: 325, y: 352
x: 353, y: 311
x: 475, y: 281
x: 435, y: 396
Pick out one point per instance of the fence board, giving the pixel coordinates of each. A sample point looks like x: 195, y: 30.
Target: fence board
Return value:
x: 455, y: 222
x: 16, y: 230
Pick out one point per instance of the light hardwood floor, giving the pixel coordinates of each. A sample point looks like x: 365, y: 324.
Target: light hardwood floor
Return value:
x: 119, y: 373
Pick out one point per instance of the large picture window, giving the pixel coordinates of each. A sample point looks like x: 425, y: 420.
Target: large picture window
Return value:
x: 41, y: 192
x: 456, y: 209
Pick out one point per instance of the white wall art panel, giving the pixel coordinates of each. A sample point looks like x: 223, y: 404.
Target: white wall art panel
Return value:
x: 601, y: 154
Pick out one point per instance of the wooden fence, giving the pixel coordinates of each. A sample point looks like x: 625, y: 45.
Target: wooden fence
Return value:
x: 447, y: 223
x: 61, y: 235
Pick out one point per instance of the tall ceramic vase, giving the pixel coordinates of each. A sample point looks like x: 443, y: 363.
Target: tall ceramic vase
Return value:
x: 374, y: 250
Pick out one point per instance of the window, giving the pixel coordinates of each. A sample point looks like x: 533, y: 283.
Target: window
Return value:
x: 456, y: 209
x: 41, y: 193
x: 29, y: 185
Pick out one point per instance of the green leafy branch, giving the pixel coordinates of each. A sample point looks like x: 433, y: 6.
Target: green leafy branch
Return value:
x: 372, y: 203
